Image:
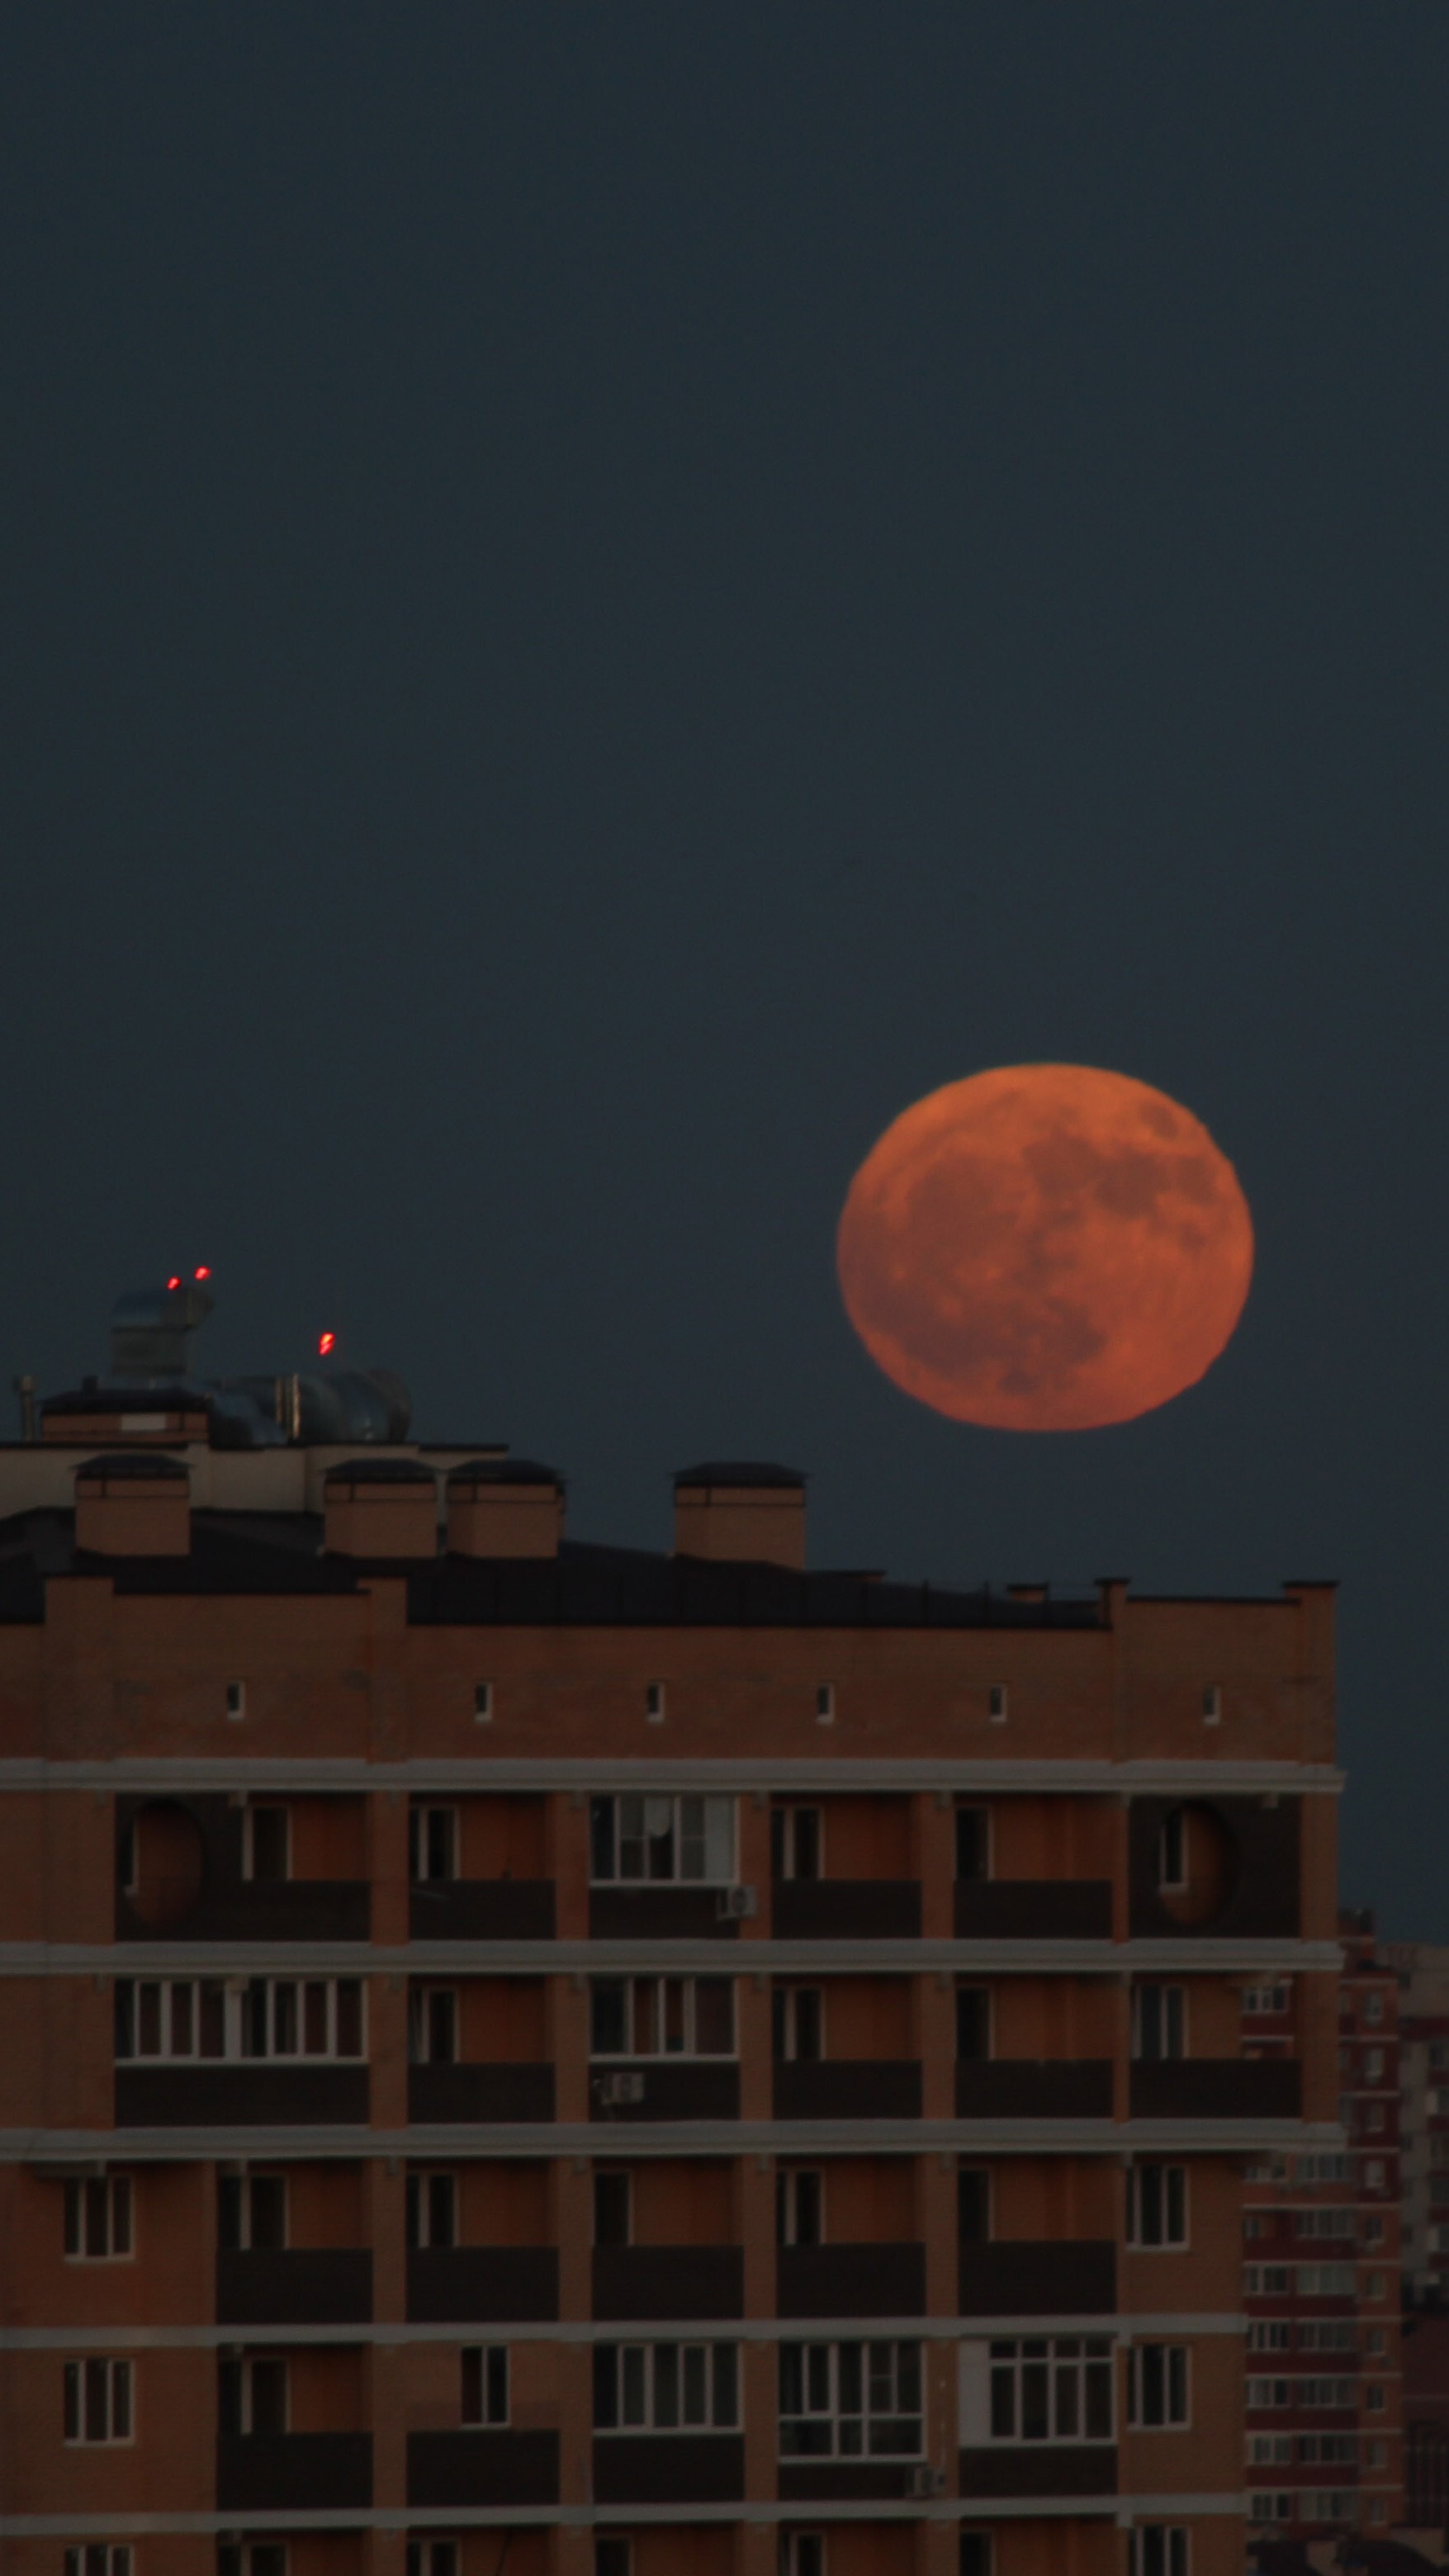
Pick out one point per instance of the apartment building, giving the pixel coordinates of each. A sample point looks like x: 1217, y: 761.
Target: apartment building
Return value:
x: 528, y: 2055
x: 1423, y: 1974
x: 1321, y: 2286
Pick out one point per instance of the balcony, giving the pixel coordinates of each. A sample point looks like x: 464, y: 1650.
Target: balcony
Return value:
x: 1033, y: 1909
x: 845, y: 1909
x: 847, y: 2088
x: 659, y: 1913
x: 1031, y: 2088
x: 674, y: 2088
x: 239, y: 1909
x: 452, y: 2469
x: 676, y: 2281
x: 255, y: 2094
x: 1217, y: 2088
x: 844, y: 2481
x: 1039, y: 2469
x: 482, y: 1909
x: 850, y: 2281
x: 482, y: 2284
x: 509, y: 2090
x: 294, y: 2473
x: 1025, y: 2277
x: 304, y: 2285
x: 669, y: 2468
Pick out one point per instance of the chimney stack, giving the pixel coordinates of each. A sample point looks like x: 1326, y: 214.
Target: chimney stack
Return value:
x: 741, y: 1512
x: 383, y: 1507
x: 505, y: 1507
x: 137, y: 1503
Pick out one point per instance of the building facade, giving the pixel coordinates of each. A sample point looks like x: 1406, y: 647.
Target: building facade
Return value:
x: 523, y: 2054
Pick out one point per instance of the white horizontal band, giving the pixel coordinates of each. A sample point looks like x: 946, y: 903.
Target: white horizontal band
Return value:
x: 701, y: 1957
x: 1089, y: 1776
x: 1123, y: 2510
x: 1115, y: 2327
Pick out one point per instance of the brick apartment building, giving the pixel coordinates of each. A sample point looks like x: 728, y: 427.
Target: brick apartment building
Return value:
x: 529, y: 2056
x: 1321, y: 2283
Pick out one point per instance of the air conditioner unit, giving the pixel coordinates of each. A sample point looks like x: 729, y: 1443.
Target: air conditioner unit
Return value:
x: 617, y: 2090
x: 926, y: 2482
x: 732, y: 1904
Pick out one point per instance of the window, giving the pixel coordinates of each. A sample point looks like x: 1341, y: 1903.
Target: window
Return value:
x: 253, y: 2395
x: 1325, y: 2281
x: 1159, y: 2022
x: 432, y: 2558
x: 1337, y: 2394
x: 802, y: 2553
x: 1157, y: 2380
x: 1327, y: 2334
x: 974, y: 2554
x: 99, y: 2403
x: 482, y: 1703
x: 796, y: 1842
x: 973, y: 1855
x: 662, y: 2017
x: 1212, y: 1704
x: 799, y: 2206
x: 797, y: 2023
x: 613, y: 2556
x: 973, y: 2205
x: 654, y: 1703
x: 251, y: 2558
x: 1156, y: 2205
x: 825, y: 1703
x: 1373, y: 2176
x: 850, y: 2401
x: 98, y: 2219
x: 1265, y: 1999
x: 1324, y: 2222
x: 1373, y: 2007
x: 973, y: 2023
x: 1373, y: 2398
x: 432, y: 2210
x: 485, y: 2383
x: 996, y: 1703
x: 266, y: 1843
x: 99, y: 2558
x: 1374, y: 2282
x: 251, y: 2212
x: 1373, y: 2065
x: 1267, y: 2280
x: 1322, y: 2449
x: 1160, y: 2549
x: 1270, y: 2508
x: 1375, y: 2342
x: 1172, y: 1850
x: 433, y: 2025
x: 613, y: 2206
x: 661, y: 1839
x: 1271, y: 2335
x: 236, y: 1699
x: 666, y: 2387
x: 432, y: 1844
x: 1373, y: 2229
x: 1052, y: 2389
x: 1270, y: 2450
x: 215, y: 2017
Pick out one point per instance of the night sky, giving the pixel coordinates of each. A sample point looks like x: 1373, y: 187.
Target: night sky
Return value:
x: 596, y: 599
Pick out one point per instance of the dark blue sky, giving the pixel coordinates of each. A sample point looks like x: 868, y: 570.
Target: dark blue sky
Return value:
x: 594, y: 600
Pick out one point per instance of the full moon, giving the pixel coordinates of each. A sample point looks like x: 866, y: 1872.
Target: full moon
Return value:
x: 1045, y: 1247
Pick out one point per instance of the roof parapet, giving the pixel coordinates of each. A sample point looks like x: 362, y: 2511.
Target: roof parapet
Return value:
x: 746, y: 1512
x: 380, y: 1507
x: 133, y: 1504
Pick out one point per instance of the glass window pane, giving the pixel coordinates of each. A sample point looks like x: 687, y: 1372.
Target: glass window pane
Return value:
x: 850, y: 2378
x: 284, y: 2020
x: 96, y: 2375
x: 659, y: 1835
x: 182, y: 2039
x: 1033, y: 2401
x: 719, y: 1838
x: 666, y: 2386
x: 601, y: 1838
x: 1068, y: 2392
x: 817, y: 2377
x: 1003, y: 2402
x: 121, y: 2214
x: 1099, y: 2401
x: 631, y: 1837
x: 646, y: 2017
x: 691, y: 1838
x: 120, y: 2401
x: 726, y: 2385
x: 631, y: 2408
x: 792, y: 2379
x: 212, y: 2037
x: 606, y: 2385
x: 148, y: 2038
x: 674, y: 2016
x: 696, y: 2384
x: 606, y: 2017
x: 315, y: 2033
x: 714, y: 2019
x: 349, y: 2016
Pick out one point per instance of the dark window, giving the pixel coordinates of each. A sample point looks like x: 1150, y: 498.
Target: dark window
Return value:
x: 251, y: 2212
x: 973, y: 2022
x: 974, y: 2553
x: 268, y: 1841
x: 432, y: 2209
x: 797, y: 2023
x: 973, y: 2205
x: 613, y: 2556
x: 799, y: 2207
x: 485, y: 2383
x: 972, y: 1857
x: 795, y: 1842
x: 433, y: 1843
x: 98, y: 2218
x: 434, y: 2026
x: 612, y: 2214
x: 1159, y: 2022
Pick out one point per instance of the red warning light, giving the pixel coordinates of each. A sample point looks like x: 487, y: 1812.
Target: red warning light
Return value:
x: 173, y: 1283
x: 326, y: 1342
x: 202, y: 1273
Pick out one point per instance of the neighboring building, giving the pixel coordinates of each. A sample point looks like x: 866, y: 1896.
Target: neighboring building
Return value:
x: 1423, y: 1972
x: 1321, y: 2278
x: 533, y: 2055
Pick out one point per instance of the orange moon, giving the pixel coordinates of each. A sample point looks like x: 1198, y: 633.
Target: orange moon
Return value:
x: 1045, y: 1247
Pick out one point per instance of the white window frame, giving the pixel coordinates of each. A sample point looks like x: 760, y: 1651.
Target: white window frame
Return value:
x: 654, y: 2384
x: 788, y: 2179
x: 113, y: 2196
x: 829, y: 2375
x: 1275, y: 1999
x: 484, y: 2375
x: 252, y: 2558
x: 1163, y: 2002
x: 429, y: 2557
x: 1270, y: 2334
x: 113, y: 2382
x: 247, y: 2181
x: 1170, y: 2183
x: 1172, y: 1859
x: 802, y: 2553
x: 270, y: 1807
x: 660, y: 2012
x: 423, y: 1993
x: 785, y: 2023
x: 1269, y: 2451
x: 422, y: 1815
x: 1159, y: 2387
x: 1068, y: 2372
x: 784, y: 1843
x: 99, y: 2558
x: 246, y: 2367
x: 243, y: 2001
x: 1161, y: 2549
x: 422, y: 2182
x: 625, y: 1823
